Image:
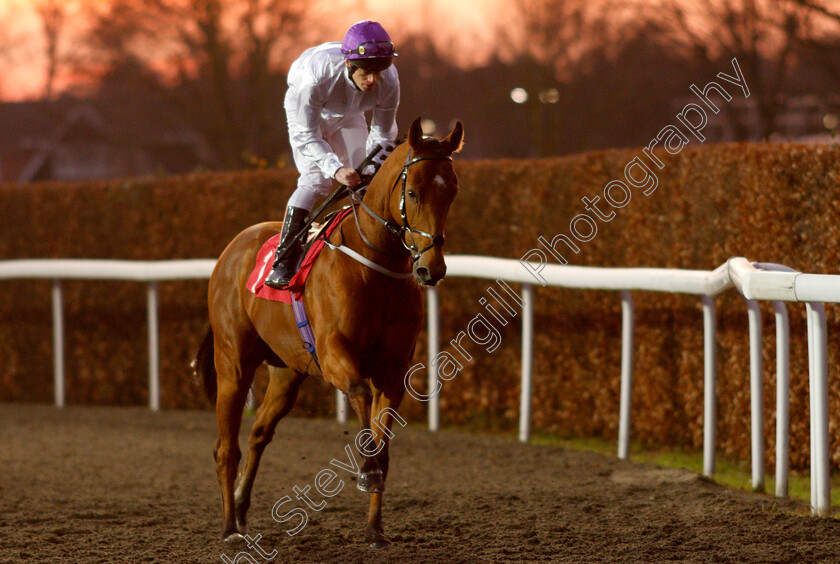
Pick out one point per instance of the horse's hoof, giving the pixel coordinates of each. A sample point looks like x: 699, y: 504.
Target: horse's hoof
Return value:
x: 371, y: 482
x: 241, y: 525
x: 380, y: 543
x: 234, y: 538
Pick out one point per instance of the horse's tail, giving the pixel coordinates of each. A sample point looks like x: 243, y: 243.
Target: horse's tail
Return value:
x: 204, y: 366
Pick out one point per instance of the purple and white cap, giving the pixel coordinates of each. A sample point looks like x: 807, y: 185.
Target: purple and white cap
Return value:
x: 367, y: 40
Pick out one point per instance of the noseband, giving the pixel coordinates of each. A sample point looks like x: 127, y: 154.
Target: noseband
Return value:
x: 395, y: 228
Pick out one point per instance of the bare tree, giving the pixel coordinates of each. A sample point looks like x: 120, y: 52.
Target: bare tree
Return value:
x: 820, y: 7
x: 221, y: 55
x: 4, y: 51
x: 52, y: 15
x: 11, y: 41
x: 761, y: 34
x: 823, y: 41
x: 556, y: 33
x: 541, y: 40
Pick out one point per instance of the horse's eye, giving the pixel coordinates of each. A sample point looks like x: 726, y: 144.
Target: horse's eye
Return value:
x: 412, y: 194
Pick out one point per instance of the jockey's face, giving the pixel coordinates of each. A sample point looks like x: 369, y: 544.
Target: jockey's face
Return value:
x: 365, y: 80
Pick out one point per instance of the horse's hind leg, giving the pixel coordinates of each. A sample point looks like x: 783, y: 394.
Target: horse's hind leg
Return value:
x: 280, y: 397
x: 235, y: 376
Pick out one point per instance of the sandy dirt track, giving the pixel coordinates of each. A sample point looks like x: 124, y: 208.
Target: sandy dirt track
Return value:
x: 126, y: 485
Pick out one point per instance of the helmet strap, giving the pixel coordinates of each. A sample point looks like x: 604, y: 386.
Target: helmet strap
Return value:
x: 350, y: 71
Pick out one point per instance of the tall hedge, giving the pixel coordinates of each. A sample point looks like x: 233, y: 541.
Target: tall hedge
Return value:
x: 767, y: 202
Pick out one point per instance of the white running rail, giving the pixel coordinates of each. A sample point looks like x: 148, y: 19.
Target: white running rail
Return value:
x: 754, y: 281
x: 151, y: 272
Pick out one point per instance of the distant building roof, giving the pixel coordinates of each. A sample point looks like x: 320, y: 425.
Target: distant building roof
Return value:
x: 74, y: 139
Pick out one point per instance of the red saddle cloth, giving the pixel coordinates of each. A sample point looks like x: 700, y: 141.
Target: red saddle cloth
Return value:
x: 265, y: 259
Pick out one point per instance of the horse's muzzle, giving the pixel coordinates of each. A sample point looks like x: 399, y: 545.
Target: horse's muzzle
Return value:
x: 427, y: 277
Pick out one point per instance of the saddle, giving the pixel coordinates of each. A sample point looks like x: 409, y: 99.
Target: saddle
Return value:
x: 317, y: 236
x: 293, y: 293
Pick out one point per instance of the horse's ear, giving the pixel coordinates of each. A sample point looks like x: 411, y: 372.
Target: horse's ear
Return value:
x: 455, y: 140
x: 415, y: 133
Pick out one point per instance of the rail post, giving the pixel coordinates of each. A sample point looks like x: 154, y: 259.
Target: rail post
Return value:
x: 527, y: 362
x: 818, y: 380
x: 782, y: 398
x: 154, y: 355
x: 58, y: 342
x: 626, y: 375
x: 434, y: 349
x: 756, y: 396
x: 709, y: 386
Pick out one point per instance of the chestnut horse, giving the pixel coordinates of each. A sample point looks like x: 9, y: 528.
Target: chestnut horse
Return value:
x: 365, y: 322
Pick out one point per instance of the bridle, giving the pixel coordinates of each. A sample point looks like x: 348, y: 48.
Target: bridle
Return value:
x: 393, y: 227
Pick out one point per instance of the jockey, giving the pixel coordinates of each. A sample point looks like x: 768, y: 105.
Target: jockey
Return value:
x: 330, y: 88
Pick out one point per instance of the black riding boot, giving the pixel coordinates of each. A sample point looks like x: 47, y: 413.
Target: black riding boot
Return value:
x: 284, y: 266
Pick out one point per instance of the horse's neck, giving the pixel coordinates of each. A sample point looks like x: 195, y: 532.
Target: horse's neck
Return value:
x: 378, y: 195
x: 377, y: 199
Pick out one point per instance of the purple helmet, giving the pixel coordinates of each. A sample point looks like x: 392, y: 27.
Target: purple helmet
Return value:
x: 367, y: 40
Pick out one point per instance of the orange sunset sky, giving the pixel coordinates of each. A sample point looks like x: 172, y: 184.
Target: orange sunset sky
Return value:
x: 465, y: 27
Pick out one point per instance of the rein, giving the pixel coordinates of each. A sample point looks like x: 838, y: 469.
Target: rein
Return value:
x: 393, y: 227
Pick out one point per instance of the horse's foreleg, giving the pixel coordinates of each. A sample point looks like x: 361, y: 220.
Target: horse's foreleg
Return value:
x: 384, y: 406
x: 280, y: 397
x: 342, y: 370
x: 370, y: 474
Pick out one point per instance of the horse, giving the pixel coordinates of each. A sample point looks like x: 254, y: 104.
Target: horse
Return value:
x: 365, y: 321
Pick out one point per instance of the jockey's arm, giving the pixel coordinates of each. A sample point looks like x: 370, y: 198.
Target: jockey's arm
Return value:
x: 383, y: 123
x: 305, y: 132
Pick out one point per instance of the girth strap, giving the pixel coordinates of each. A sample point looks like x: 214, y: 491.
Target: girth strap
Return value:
x: 305, y: 329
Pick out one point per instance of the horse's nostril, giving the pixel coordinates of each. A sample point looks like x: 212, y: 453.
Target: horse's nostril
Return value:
x: 423, y: 273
